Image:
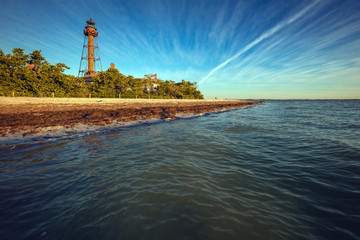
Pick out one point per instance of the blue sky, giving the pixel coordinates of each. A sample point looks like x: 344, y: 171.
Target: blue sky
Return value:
x: 232, y: 49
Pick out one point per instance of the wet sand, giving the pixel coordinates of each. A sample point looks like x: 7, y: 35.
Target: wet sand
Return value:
x: 31, y: 115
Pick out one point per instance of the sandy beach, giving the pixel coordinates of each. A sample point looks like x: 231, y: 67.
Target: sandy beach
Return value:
x: 31, y: 115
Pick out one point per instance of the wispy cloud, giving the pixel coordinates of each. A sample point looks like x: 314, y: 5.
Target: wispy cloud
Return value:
x: 226, y: 45
x: 262, y: 37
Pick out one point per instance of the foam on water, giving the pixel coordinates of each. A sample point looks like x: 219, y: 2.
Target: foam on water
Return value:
x: 55, y: 133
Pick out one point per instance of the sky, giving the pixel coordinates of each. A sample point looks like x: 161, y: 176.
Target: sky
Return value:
x: 235, y: 49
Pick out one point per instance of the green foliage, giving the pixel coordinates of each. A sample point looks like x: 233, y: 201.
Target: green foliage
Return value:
x: 111, y: 83
x: 36, y: 58
x: 31, y: 75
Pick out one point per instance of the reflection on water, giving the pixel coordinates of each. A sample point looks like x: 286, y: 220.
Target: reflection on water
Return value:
x: 283, y: 170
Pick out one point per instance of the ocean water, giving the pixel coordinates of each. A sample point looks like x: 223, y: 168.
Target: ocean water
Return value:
x: 281, y: 170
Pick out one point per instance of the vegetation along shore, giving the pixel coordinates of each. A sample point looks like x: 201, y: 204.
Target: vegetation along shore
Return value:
x: 30, y: 75
x: 44, y: 97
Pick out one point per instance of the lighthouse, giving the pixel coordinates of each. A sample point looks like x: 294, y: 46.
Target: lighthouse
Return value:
x: 90, y: 62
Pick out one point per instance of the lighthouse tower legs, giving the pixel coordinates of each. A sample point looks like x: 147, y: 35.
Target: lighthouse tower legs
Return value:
x: 90, y: 50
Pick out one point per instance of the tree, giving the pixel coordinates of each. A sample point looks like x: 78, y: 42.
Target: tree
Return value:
x: 109, y: 83
x: 136, y: 86
x: 169, y: 89
x: 36, y: 58
x: 31, y: 75
x: 18, y: 59
x: 37, y: 79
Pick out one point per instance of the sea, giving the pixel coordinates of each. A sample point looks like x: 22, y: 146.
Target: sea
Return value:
x: 285, y: 169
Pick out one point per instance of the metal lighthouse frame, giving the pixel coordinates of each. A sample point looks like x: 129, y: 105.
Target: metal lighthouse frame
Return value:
x: 90, y: 63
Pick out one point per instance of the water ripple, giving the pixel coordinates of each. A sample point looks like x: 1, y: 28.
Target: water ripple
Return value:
x: 283, y: 170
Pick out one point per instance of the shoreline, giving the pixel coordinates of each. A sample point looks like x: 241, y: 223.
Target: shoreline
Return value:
x: 31, y: 115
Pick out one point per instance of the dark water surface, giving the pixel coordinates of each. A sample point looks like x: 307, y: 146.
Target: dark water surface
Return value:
x: 282, y: 170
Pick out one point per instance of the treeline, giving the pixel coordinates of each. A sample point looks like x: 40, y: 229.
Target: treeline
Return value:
x: 31, y: 75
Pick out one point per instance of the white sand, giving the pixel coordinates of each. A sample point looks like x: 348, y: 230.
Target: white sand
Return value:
x: 38, y: 100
